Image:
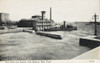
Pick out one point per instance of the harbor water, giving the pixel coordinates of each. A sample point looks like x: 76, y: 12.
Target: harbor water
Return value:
x: 29, y: 46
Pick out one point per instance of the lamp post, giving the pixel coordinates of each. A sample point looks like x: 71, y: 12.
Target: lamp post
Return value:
x: 95, y: 29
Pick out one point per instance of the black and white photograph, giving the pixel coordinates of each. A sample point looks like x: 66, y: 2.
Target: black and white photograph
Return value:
x: 49, y: 30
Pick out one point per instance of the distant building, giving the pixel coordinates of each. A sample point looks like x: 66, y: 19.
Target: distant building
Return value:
x: 4, y: 18
x: 37, y: 22
x: 35, y: 17
x: 26, y: 23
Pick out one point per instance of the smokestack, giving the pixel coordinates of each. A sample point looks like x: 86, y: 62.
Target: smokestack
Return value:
x: 50, y: 13
x: 43, y: 14
x: 64, y: 24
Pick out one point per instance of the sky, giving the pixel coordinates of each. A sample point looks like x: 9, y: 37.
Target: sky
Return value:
x: 62, y: 10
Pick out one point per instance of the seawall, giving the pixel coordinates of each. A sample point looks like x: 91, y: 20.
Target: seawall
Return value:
x: 90, y: 41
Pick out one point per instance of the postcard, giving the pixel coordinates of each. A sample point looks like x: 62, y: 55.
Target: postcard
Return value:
x: 49, y: 31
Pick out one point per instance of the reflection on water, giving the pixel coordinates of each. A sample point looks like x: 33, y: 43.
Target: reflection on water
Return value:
x: 29, y: 46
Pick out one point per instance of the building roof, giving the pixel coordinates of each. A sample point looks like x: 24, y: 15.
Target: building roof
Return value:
x: 35, y: 16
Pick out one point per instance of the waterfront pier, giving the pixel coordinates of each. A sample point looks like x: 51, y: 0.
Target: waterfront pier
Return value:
x: 48, y: 34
